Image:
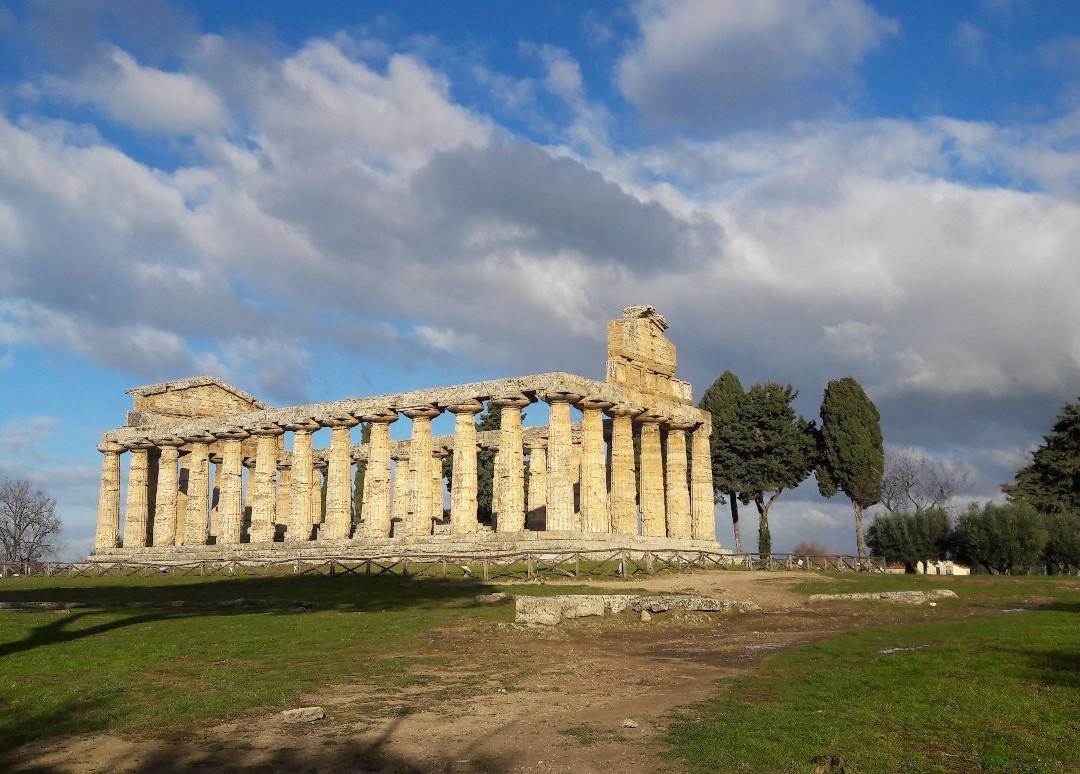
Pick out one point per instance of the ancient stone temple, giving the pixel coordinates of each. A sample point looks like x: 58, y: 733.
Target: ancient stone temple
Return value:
x: 210, y: 473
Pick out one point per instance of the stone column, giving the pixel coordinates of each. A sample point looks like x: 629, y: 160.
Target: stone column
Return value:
x: 560, y: 495
x: 264, y: 484
x: 678, y: 488
x: 249, y: 496
x: 437, y: 456
x: 509, y: 484
x: 231, y: 502
x: 182, y: 496
x: 651, y: 477
x: 318, y: 470
x: 215, y: 493
x: 108, y: 522
x: 536, y: 505
x: 165, y: 521
x: 595, y: 513
x: 400, y: 518
x: 136, y: 510
x: 463, y: 483
x: 418, y: 518
x: 283, y: 509
x: 376, y: 504
x: 338, y: 486
x: 302, y: 472
x: 623, y: 495
x: 702, y: 517
x: 196, y: 522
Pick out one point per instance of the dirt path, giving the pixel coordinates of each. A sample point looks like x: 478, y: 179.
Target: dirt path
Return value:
x: 589, y: 695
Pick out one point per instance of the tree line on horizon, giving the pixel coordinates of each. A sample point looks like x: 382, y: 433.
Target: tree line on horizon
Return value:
x: 760, y: 447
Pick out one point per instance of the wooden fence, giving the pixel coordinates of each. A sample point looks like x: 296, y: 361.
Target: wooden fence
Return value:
x: 518, y: 565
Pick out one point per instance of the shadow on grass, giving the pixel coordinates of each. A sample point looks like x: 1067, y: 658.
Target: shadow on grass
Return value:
x: 352, y: 756
x: 1055, y: 665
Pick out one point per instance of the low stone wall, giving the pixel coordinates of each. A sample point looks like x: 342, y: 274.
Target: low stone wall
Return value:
x: 905, y: 597
x: 549, y: 611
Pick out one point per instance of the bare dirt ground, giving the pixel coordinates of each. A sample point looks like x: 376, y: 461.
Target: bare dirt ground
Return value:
x: 590, y: 695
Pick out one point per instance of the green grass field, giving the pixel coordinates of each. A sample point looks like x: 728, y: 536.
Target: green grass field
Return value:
x: 992, y: 686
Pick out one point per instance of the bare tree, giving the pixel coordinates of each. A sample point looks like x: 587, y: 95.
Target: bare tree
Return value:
x: 915, y: 482
x: 29, y: 525
x: 807, y: 547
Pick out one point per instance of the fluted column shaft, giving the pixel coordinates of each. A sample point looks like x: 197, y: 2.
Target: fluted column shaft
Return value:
x: 302, y: 474
x: 136, y: 510
x: 437, y: 484
x: 165, y: 520
x: 376, y: 505
x: 702, y: 518
x: 317, y: 469
x: 509, y: 484
x: 623, y: 495
x: 463, y: 487
x: 283, y: 510
x: 182, y: 497
x: 196, y: 530
x: 108, y: 522
x: 560, y: 496
x: 231, y: 498
x: 536, y: 515
x: 338, y: 485
x: 677, y: 486
x: 595, y: 514
x: 418, y: 517
x: 265, y: 485
x: 651, y: 481
x: 401, y: 494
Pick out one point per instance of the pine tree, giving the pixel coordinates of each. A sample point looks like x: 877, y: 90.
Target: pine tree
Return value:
x: 851, y: 454
x: 725, y: 444
x: 779, y: 449
x: 1051, y: 483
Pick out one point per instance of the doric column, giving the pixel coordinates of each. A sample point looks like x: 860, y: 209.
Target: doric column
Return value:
x: 677, y: 486
x: 283, y: 509
x: 318, y: 470
x: 418, y: 519
x: 651, y: 477
x: 509, y: 484
x: 165, y: 521
x: 300, y: 517
x: 623, y: 495
x: 182, y: 496
x: 136, y: 510
x: 376, y: 505
x: 400, y: 514
x: 230, y: 481
x: 196, y: 522
x: 463, y: 482
x: 264, y: 484
x: 108, y: 522
x: 438, y: 454
x: 338, y: 486
x: 215, y: 493
x: 536, y: 505
x: 248, y: 481
x: 560, y: 496
x: 595, y: 513
x: 703, y: 520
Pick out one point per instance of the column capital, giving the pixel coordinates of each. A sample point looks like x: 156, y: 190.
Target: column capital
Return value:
x: 267, y: 431
x: 467, y: 407
x: 624, y: 410
x: 302, y: 426
x: 169, y: 440
x: 248, y: 462
x: 382, y: 416
x: 216, y: 458
x: 399, y: 456
x: 109, y: 447
x: 200, y: 438
x: 426, y: 411
x: 592, y: 402
x: 232, y: 434
x: 536, y: 443
x: 651, y: 417
x: 345, y: 420
x: 681, y: 424
x: 284, y: 463
x: 320, y: 464
x: 141, y: 444
x: 511, y: 400
x: 558, y: 396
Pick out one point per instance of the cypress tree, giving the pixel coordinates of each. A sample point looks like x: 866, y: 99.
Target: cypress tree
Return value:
x: 728, y: 461
x: 851, y: 454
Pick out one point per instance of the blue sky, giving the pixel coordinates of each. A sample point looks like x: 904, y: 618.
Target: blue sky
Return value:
x: 319, y: 200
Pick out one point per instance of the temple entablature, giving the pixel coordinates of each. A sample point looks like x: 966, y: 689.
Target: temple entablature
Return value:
x: 213, y: 465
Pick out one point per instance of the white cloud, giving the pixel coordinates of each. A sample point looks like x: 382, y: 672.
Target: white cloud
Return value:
x: 708, y: 65
x: 144, y: 98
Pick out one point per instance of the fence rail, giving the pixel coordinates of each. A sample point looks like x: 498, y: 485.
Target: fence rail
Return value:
x: 517, y: 565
